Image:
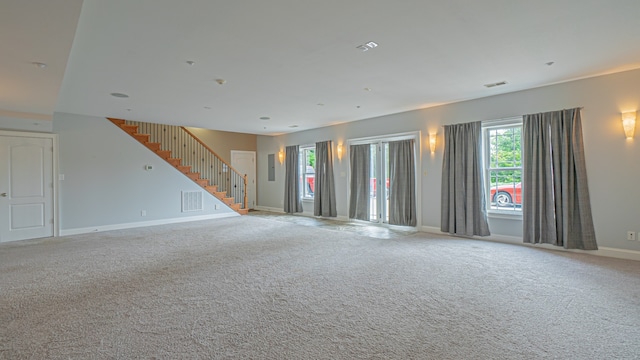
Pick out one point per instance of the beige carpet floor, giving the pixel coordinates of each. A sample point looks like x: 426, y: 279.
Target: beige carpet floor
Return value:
x: 258, y: 288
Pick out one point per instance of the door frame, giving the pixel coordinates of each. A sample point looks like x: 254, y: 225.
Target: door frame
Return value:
x: 54, y: 168
x: 417, y: 136
x: 254, y: 186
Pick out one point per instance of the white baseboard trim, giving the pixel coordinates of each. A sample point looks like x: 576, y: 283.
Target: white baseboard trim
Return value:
x: 602, y: 251
x: 309, y: 214
x: 619, y: 253
x: 100, y: 228
x: 431, y: 230
x: 270, y: 209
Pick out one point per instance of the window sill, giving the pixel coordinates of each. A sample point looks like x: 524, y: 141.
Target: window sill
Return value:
x: 503, y: 215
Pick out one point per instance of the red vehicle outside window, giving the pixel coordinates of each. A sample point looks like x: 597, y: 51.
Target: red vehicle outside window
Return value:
x: 373, y: 187
x: 507, y: 195
x: 310, y: 180
x: 310, y: 183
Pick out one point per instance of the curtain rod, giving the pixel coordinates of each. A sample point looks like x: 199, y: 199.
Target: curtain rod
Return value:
x: 579, y: 107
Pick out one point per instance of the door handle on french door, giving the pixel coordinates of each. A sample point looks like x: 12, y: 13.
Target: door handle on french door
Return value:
x: 3, y: 194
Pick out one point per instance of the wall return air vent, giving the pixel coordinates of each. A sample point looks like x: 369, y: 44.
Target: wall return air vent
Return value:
x: 192, y: 201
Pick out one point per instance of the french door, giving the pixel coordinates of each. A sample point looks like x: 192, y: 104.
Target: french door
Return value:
x: 382, y: 173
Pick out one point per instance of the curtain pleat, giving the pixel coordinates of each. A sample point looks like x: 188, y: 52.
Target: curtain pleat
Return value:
x: 463, y: 200
x: 538, y: 207
x: 292, y: 201
x: 557, y: 206
x: 324, y: 199
x: 402, y: 189
x: 360, y: 162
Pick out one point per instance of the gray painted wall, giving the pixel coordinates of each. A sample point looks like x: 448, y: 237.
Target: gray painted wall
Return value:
x: 222, y: 142
x: 105, y: 183
x: 34, y: 124
x: 613, y: 163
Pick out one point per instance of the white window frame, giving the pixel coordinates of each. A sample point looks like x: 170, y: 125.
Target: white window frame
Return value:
x: 302, y: 156
x: 486, y: 127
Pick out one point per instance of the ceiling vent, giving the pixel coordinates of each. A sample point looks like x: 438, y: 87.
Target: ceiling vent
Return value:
x: 495, y: 84
x: 367, y: 46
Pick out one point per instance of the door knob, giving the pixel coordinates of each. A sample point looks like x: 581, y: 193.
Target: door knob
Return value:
x: 3, y: 194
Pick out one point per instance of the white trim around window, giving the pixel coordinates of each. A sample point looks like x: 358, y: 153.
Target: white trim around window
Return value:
x: 307, y: 192
x: 502, y: 189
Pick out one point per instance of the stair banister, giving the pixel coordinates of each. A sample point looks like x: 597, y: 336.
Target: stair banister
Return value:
x: 187, y: 153
x: 244, y: 205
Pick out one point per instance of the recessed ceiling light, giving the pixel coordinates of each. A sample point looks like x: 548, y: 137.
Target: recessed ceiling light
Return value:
x: 208, y: 107
x: 128, y: 109
x: 190, y: 62
x: 265, y: 118
x: 293, y: 126
x: 372, y: 44
x: 358, y: 106
x: 550, y: 63
x: 362, y: 47
x: 367, y: 89
x: 39, y: 64
x: 119, y: 95
x: 500, y: 83
x: 221, y: 81
x: 320, y: 104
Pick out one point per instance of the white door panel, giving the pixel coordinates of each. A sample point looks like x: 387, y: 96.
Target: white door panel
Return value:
x: 26, y: 188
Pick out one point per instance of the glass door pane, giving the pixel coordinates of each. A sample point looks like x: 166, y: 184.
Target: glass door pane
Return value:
x: 385, y: 189
x: 373, y: 194
x: 379, y: 182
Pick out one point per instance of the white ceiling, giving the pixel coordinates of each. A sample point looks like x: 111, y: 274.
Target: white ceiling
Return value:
x: 282, y: 58
x: 34, y: 31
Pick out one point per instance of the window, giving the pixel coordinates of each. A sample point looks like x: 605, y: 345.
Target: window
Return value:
x: 307, y: 171
x: 503, y: 165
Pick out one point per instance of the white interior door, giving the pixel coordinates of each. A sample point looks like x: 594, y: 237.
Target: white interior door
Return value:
x: 26, y: 188
x: 245, y: 163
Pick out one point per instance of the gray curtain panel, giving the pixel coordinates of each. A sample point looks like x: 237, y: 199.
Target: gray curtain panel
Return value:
x: 292, y: 202
x: 556, y: 204
x: 324, y: 199
x: 402, y: 183
x: 464, y: 210
x: 360, y: 162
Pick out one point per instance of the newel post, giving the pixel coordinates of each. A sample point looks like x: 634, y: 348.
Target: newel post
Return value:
x: 245, y: 191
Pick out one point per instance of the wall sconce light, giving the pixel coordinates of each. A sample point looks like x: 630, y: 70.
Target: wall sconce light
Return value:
x: 340, y: 151
x: 629, y: 123
x: 432, y: 142
x: 281, y: 156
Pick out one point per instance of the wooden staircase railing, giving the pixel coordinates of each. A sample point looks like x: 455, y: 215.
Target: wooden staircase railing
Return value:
x: 189, y: 155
